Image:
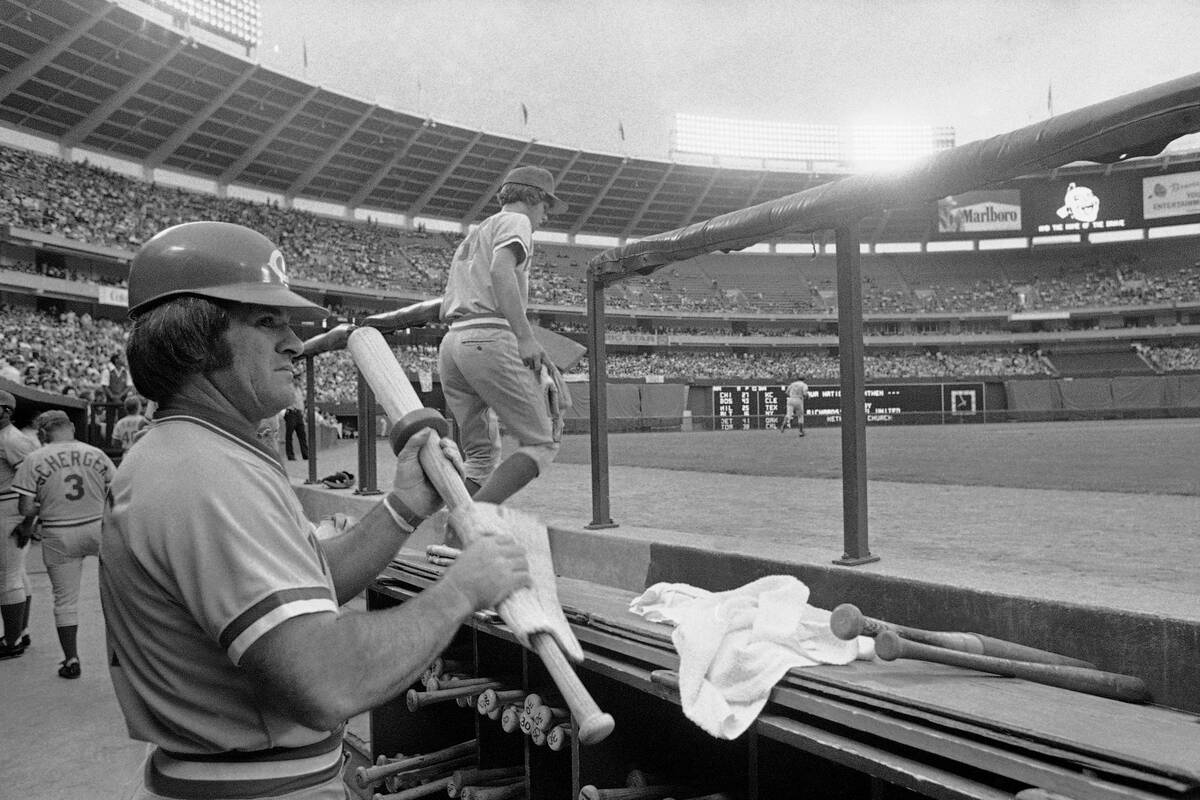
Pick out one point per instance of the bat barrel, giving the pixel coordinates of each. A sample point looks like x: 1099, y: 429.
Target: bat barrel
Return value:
x: 890, y: 645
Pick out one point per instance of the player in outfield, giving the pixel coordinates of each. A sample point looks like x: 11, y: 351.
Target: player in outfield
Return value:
x: 797, y: 390
x: 63, y: 484
x: 490, y: 364
x: 227, y: 647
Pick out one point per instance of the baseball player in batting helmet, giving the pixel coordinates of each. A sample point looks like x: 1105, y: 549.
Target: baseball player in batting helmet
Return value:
x: 228, y: 649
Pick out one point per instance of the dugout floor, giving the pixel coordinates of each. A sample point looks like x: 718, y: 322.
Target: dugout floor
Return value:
x: 66, y: 739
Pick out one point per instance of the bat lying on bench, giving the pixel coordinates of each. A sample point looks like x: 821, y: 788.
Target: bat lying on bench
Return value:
x: 847, y: 622
x: 889, y: 646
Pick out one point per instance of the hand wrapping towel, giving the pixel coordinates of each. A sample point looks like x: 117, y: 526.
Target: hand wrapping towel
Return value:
x: 734, y: 646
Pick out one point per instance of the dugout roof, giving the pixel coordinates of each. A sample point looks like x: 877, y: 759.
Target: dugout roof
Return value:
x: 127, y: 81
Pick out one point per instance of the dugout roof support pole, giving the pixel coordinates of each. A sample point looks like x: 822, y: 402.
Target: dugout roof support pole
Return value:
x: 598, y: 412
x: 854, y: 413
x: 310, y: 416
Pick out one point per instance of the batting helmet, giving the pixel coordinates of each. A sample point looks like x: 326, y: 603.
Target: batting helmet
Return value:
x: 220, y: 260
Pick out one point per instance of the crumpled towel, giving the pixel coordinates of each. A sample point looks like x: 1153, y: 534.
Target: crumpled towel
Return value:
x: 735, y: 646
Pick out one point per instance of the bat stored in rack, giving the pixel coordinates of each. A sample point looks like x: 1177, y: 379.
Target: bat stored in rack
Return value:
x: 506, y: 791
x: 434, y: 787
x: 847, y: 622
x: 494, y: 699
x: 590, y: 792
x: 523, y: 610
x: 482, y: 777
x: 366, y: 776
x: 889, y: 646
x: 558, y: 737
x: 416, y: 699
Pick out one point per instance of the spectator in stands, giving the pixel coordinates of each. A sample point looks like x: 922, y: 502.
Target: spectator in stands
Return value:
x: 115, y: 379
x: 9, y: 372
x: 490, y: 362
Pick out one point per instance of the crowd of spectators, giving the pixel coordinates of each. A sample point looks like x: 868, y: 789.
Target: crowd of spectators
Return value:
x: 1174, y: 359
x: 336, y: 380
x: 97, y: 205
x: 67, y: 353
x: 60, y: 354
x: 721, y: 364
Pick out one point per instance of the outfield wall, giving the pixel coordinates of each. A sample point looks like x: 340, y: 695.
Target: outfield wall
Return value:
x: 757, y: 404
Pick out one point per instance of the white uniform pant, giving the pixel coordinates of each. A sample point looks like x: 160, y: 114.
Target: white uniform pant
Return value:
x: 14, y: 582
x: 63, y: 551
x: 795, y: 410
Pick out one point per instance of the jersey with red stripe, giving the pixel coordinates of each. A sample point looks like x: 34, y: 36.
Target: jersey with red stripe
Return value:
x: 469, y: 289
x: 205, y: 548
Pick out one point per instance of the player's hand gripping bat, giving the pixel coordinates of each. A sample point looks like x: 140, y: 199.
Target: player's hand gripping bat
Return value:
x: 395, y: 394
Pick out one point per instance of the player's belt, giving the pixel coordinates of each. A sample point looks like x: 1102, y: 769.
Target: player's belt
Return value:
x: 479, y: 321
x: 70, y: 523
x: 241, y: 774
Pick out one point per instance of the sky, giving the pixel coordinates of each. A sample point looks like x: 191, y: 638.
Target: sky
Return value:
x: 586, y: 69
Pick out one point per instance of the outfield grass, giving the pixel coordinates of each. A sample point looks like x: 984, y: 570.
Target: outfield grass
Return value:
x: 1143, y: 456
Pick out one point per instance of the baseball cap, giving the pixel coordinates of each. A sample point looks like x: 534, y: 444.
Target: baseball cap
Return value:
x: 51, y: 419
x: 539, y: 179
x: 6, y: 399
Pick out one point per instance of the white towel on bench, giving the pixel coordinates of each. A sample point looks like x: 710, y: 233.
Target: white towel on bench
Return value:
x: 735, y: 646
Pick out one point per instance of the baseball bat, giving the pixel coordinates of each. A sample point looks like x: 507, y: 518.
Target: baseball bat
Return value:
x: 365, y: 776
x: 450, y: 681
x: 558, y: 737
x: 889, y: 645
x: 442, y: 666
x: 481, y: 777
x: 416, y: 700
x: 391, y: 386
x: 510, y: 719
x: 847, y: 622
x: 537, y: 736
x: 638, y: 777
x: 491, y: 699
x: 545, y: 717
x: 633, y: 792
x: 505, y: 792
x: 415, y: 777
x: 424, y: 790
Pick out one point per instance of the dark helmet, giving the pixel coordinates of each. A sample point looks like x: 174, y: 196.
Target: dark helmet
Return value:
x: 214, y: 259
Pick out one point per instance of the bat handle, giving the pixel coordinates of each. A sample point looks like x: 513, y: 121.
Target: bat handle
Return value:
x: 594, y: 724
x: 890, y: 646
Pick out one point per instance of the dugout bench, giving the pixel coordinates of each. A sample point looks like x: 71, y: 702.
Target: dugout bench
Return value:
x: 903, y: 729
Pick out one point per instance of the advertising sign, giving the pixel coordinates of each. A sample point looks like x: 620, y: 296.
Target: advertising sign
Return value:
x: 113, y: 296
x: 1176, y: 195
x: 980, y: 212
x: 1083, y: 203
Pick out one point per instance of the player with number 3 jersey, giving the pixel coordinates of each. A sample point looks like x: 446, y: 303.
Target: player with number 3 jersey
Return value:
x: 64, y: 483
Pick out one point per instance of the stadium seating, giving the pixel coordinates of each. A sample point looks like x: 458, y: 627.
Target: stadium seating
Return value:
x: 96, y: 205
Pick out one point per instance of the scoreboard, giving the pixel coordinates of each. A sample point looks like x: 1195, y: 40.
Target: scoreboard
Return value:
x: 751, y: 407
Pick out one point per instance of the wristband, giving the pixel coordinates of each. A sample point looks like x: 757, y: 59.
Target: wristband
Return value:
x: 407, y: 524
